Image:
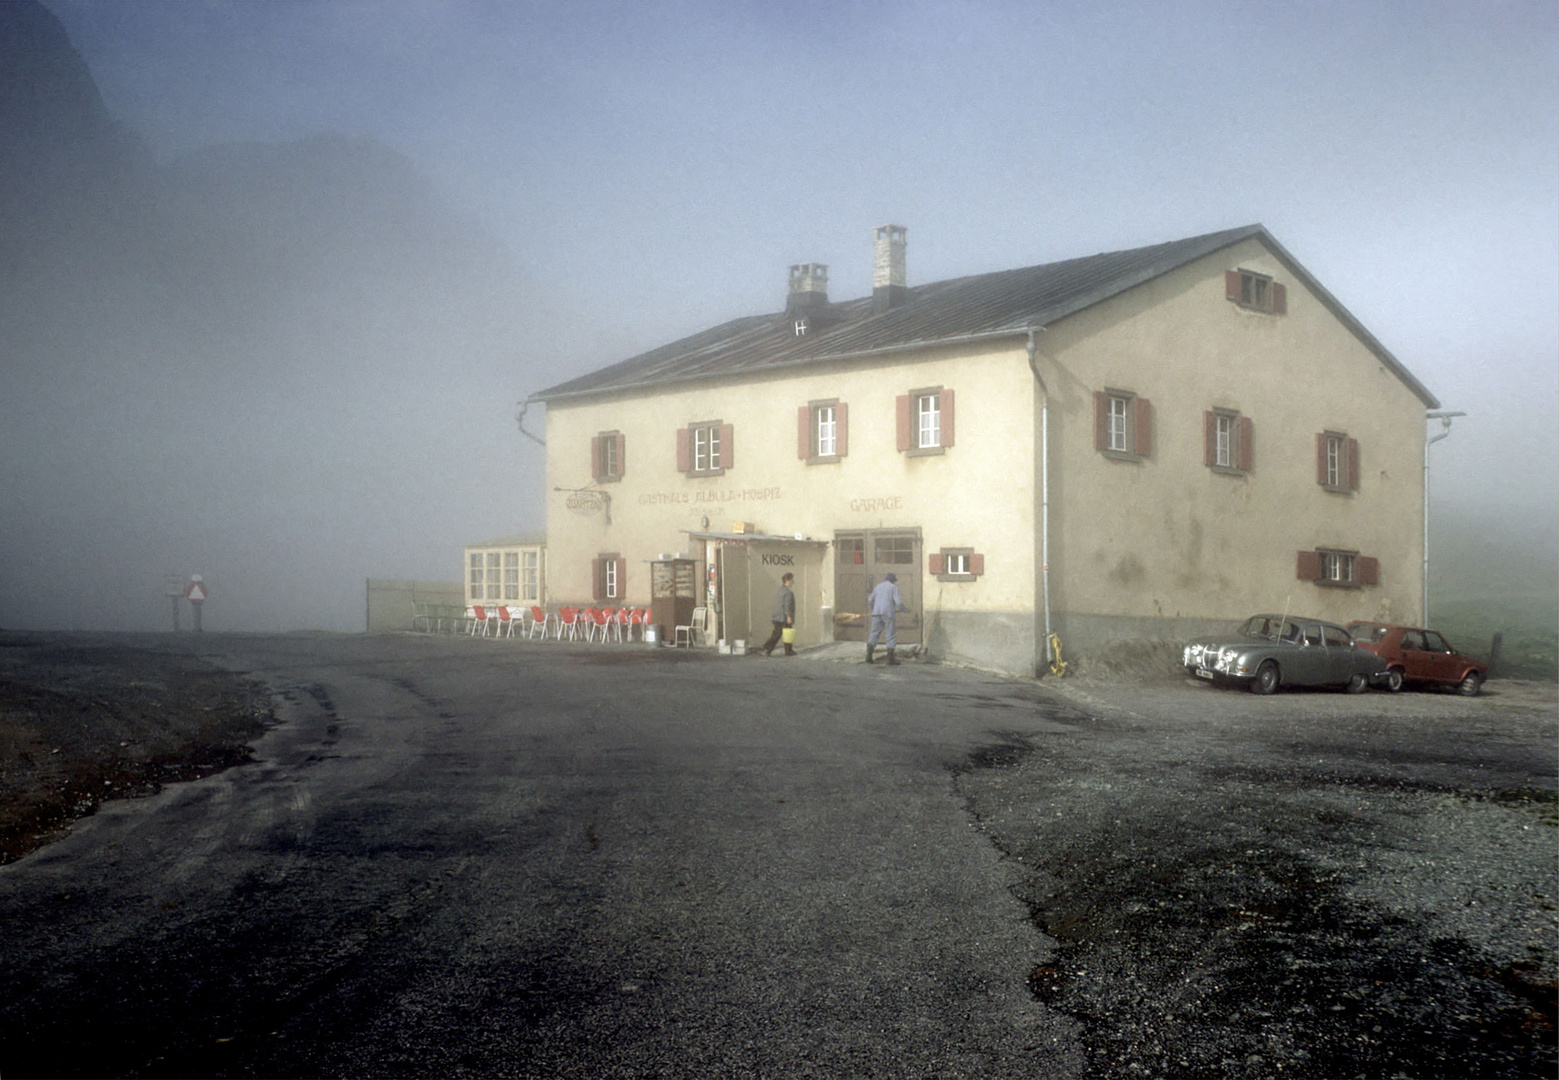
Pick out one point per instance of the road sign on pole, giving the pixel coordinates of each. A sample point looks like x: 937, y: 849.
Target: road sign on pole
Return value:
x: 196, y: 593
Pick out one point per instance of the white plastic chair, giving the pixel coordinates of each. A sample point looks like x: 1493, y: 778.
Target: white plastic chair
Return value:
x: 695, y: 632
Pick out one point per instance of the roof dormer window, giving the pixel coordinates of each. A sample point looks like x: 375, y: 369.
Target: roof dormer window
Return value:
x: 802, y: 326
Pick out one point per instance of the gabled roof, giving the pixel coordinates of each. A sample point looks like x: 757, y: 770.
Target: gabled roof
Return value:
x: 1002, y: 304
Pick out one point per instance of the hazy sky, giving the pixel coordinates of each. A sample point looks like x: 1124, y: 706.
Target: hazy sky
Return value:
x: 653, y: 168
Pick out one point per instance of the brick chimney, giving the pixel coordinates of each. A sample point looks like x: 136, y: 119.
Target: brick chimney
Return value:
x: 888, y: 287
x: 808, y: 289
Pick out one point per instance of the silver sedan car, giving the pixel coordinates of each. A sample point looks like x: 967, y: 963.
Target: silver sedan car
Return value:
x: 1269, y: 651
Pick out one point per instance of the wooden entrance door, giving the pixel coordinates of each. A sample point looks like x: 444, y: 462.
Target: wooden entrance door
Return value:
x: 861, y: 559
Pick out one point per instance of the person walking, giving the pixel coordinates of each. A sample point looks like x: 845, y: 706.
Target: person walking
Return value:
x: 783, y: 616
x: 885, y: 603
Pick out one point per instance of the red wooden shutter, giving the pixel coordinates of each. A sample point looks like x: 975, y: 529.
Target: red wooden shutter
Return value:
x: 1209, y: 438
x: 1309, y: 566
x: 597, y: 579
x: 841, y: 429
x: 622, y: 457
x: 1231, y: 285
x: 1142, y: 437
x: 622, y: 578
x: 901, y: 407
x: 1320, y: 458
x: 947, y: 418
x: 935, y: 563
x: 684, y: 450
x: 1279, y: 299
x: 1101, y: 420
x: 727, y: 448
x: 977, y: 564
x: 595, y: 456
x: 1353, y: 464
x: 804, y: 432
x: 1368, y: 568
x: 1246, y: 436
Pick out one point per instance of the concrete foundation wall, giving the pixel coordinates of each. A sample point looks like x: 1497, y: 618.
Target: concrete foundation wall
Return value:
x: 996, y: 640
x: 391, y: 603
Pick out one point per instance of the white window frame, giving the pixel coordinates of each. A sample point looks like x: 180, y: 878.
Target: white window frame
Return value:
x: 1338, y: 568
x: 928, y: 421
x: 1336, y: 459
x: 706, y: 448
x: 825, y: 431
x: 494, y: 575
x: 511, y: 576
x: 956, y: 565
x: 609, y: 569
x: 475, y: 583
x: 530, y: 576
x: 1226, y: 433
x: 1119, y: 441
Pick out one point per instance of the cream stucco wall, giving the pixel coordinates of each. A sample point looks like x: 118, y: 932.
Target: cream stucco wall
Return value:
x: 1171, y: 539
x: 977, y: 494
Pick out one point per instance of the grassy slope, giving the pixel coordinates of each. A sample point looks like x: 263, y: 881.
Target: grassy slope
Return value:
x: 1493, y: 575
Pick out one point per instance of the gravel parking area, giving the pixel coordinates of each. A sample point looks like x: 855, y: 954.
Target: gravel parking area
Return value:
x: 1308, y: 885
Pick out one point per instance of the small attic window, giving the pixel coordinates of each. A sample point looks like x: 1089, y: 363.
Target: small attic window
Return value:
x: 803, y: 324
x: 1255, y: 292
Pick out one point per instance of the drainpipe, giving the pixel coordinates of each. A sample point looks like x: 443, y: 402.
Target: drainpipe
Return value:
x: 1445, y: 421
x: 1044, y: 485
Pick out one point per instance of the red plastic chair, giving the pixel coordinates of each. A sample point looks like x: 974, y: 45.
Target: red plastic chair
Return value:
x: 539, y: 621
x: 568, y: 623
x: 506, y: 619
x: 476, y: 615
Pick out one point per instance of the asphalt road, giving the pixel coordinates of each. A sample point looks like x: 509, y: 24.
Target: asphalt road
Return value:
x: 494, y: 858
x: 459, y: 857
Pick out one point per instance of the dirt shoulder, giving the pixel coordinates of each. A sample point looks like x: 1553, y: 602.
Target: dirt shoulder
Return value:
x: 90, y: 717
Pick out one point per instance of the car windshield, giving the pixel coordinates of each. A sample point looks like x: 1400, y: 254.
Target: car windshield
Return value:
x: 1268, y: 627
x: 1370, y: 632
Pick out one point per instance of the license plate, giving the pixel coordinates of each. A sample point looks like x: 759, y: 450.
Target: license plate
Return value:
x: 1203, y: 673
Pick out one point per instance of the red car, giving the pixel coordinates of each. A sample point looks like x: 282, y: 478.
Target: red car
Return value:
x: 1419, y: 656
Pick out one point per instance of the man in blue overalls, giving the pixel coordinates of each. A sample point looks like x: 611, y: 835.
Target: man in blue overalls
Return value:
x: 885, y: 603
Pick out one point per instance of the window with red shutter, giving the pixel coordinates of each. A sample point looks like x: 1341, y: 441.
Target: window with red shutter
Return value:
x: 705, y: 449
x: 1337, y: 462
x: 956, y: 564
x: 1122, y: 425
x: 821, y: 428
x: 947, y: 417
x: 606, y: 456
x: 1255, y: 292
x: 1226, y: 441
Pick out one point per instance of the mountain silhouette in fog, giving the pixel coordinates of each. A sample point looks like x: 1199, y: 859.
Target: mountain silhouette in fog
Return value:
x: 226, y: 360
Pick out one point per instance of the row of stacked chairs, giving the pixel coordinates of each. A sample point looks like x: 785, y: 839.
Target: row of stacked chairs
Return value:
x: 567, y: 623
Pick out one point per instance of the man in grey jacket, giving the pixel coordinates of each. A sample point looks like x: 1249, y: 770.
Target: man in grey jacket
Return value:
x: 885, y: 602
x: 784, y: 615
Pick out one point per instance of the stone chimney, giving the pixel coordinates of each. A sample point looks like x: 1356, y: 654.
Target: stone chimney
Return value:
x: 888, y: 287
x: 808, y: 289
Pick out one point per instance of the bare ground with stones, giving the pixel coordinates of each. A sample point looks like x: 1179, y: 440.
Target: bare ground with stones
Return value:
x: 85, y: 718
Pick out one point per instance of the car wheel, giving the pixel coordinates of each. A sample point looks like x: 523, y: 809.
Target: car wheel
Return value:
x: 1394, y: 679
x: 1358, y: 683
x: 1470, y: 686
x: 1267, y: 679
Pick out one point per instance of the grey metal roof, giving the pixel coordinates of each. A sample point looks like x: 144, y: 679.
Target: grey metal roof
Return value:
x: 1007, y: 302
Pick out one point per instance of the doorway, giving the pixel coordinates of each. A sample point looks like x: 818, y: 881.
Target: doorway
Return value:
x: 861, y: 559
